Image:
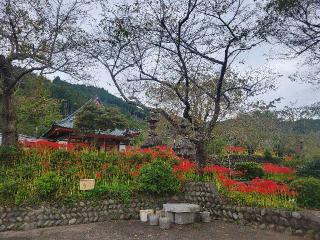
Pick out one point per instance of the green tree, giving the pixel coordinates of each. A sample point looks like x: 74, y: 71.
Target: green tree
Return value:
x: 98, y: 117
x: 36, y: 35
x: 36, y: 110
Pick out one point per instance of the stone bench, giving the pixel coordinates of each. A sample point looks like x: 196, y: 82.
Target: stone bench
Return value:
x: 181, y: 213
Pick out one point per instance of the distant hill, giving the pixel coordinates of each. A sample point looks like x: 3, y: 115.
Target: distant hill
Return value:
x: 75, y: 95
x: 305, y: 126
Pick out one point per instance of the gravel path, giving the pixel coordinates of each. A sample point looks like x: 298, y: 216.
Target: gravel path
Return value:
x: 116, y: 230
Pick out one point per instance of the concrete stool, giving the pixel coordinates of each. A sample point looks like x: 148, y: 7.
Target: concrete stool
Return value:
x: 153, y: 219
x: 205, y: 217
x: 164, y: 222
x: 144, y: 214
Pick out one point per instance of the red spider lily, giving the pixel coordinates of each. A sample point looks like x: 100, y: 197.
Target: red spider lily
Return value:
x: 235, y: 149
x: 136, y: 171
x: 185, y: 166
x: 257, y: 185
x: 98, y: 175
x: 45, y: 144
x: 221, y: 170
x: 275, y: 169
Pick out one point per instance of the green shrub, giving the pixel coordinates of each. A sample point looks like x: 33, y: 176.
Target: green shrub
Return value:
x: 8, y: 189
x: 308, y: 192
x: 157, y: 178
x: 25, y: 171
x: 48, y: 185
x: 116, y: 189
x: 23, y: 195
x: 9, y: 155
x: 250, y: 169
x: 310, y: 169
x: 267, y: 154
x: 60, y: 156
x: 216, y: 146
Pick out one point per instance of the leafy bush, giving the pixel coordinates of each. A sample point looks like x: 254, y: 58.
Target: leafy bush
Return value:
x: 117, y: 189
x: 250, y: 169
x: 48, y: 185
x: 8, y: 189
x: 60, y: 156
x: 216, y: 146
x: 9, y: 154
x: 310, y: 169
x: 267, y: 154
x: 158, y: 178
x: 308, y: 192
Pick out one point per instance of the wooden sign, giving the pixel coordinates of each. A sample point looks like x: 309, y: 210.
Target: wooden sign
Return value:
x: 87, y: 184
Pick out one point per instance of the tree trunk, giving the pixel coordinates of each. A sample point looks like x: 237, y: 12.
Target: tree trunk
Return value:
x: 201, y: 155
x: 8, y: 119
x: 7, y: 114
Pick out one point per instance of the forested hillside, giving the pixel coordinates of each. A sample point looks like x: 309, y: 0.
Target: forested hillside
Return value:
x: 40, y: 102
x: 75, y: 95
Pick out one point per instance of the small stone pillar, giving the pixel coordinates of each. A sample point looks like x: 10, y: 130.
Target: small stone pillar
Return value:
x: 153, y: 139
x: 183, y: 147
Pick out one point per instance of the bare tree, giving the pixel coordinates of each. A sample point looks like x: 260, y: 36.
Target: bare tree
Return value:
x: 296, y: 24
x: 175, y: 58
x: 35, y: 35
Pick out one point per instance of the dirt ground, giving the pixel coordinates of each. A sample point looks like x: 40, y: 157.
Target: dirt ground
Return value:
x: 116, y: 230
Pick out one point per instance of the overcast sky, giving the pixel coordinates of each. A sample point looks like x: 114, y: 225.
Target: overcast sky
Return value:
x: 266, y: 55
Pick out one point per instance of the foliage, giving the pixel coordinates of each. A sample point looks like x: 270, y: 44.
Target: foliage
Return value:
x: 278, y: 173
x: 48, y: 185
x: 76, y: 95
x: 115, y: 189
x: 94, y: 116
x: 235, y: 149
x: 8, y: 189
x: 36, y: 110
x: 257, y: 192
x: 38, y: 46
x: 310, y: 169
x: 9, y: 154
x: 186, y: 170
x: 158, y: 178
x: 267, y: 154
x: 46, y: 172
x: 308, y: 192
x: 216, y: 146
x: 251, y: 170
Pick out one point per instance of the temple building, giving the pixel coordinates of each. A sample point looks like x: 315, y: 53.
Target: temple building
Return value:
x: 64, y: 131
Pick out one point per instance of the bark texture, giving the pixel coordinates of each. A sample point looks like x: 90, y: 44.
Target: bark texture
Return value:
x: 8, y: 115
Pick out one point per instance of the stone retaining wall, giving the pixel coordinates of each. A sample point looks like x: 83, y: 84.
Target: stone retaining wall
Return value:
x: 204, y: 194
x: 24, y: 218
x: 290, y: 222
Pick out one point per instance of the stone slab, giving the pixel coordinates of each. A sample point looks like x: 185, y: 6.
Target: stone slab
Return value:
x: 181, y: 207
x: 184, y: 217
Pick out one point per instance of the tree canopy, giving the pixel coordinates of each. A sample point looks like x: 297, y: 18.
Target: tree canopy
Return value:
x: 95, y: 117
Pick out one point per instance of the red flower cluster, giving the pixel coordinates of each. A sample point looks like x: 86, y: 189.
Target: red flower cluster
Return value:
x: 136, y: 171
x: 45, y: 144
x: 275, y: 169
x: 156, y: 152
x: 98, y: 175
x: 257, y: 185
x: 235, y: 149
x: 185, y: 166
x: 221, y: 170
